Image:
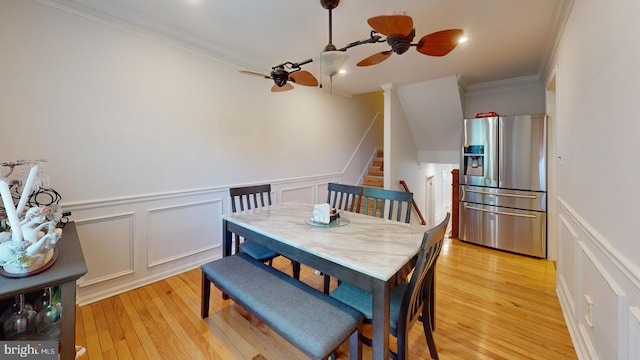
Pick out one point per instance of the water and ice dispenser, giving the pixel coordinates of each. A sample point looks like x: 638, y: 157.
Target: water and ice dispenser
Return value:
x: 474, y: 160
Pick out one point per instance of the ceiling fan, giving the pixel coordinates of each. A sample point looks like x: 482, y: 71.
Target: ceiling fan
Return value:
x: 399, y: 33
x: 283, y: 78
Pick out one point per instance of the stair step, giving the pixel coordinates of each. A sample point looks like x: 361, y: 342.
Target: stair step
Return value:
x: 373, y: 181
x: 377, y: 161
x: 375, y: 171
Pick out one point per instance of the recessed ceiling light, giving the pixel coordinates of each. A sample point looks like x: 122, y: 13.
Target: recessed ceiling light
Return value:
x: 462, y: 39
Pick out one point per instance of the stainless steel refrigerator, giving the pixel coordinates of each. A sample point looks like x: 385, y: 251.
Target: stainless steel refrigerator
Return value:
x: 503, y: 183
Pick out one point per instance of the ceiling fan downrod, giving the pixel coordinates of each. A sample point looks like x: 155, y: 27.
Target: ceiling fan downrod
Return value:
x: 330, y: 5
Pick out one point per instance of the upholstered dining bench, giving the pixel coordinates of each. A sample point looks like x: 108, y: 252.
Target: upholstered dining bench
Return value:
x: 309, y: 319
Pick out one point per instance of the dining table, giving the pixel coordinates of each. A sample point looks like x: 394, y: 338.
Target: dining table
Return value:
x: 372, y: 253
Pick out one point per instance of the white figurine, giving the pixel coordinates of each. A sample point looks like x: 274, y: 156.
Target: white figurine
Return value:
x: 36, y: 248
x: 33, y: 223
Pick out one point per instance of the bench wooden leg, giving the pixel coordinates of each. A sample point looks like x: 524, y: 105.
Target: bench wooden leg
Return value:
x: 296, y: 269
x: 327, y: 284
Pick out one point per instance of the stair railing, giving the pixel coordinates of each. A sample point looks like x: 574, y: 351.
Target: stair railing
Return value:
x: 415, y: 205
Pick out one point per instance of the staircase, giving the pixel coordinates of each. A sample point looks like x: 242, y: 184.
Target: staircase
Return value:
x: 375, y: 178
x: 375, y: 173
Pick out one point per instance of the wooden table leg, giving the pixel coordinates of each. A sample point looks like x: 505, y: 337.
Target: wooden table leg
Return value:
x: 68, y: 324
x: 380, y: 321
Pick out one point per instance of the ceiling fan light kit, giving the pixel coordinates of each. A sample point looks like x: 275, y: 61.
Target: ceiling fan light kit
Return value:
x: 396, y: 30
x: 331, y: 61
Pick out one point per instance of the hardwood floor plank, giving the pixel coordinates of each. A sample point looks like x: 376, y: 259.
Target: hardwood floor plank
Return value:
x: 145, y: 339
x: 183, y: 330
x: 128, y: 330
x: 94, y: 350
x: 159, y: 329
x: 104, y: 334
x: 489, y: 305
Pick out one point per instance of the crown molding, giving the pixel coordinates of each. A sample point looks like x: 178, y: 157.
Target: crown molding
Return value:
x: 154, y: 31
x: 523, y: 82
x: 562, y: 16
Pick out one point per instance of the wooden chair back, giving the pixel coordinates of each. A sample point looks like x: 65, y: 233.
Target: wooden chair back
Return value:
x: 392, y: 204
x: 250, y: 197
x: 415, y: 303
x: 344, y: 197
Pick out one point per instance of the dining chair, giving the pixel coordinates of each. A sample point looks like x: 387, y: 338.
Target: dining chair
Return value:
x: 387, y: 203
x: 342, y: 197
x: 251, y: 197
x: 408, y: 301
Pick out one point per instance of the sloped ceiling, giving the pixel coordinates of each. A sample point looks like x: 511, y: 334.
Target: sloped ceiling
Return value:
x: 434, y: 110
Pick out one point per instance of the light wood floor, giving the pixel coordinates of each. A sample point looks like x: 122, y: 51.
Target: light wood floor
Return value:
x: 490, y: 305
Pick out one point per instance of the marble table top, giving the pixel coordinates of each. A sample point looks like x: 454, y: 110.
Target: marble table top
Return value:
x: 370, y: 245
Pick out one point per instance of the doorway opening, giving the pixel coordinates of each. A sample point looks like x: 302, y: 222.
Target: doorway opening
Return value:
x: 430, y: 201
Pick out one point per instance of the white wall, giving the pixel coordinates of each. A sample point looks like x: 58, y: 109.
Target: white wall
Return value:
x: 442, y: 191
x: 596, y: 93
x: 400, y: 151
x: 144, y: 137
x: 507, y: 97
x: 433, y: 110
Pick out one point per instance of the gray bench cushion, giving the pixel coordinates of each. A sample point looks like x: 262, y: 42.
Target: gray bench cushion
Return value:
x: 311, y: 320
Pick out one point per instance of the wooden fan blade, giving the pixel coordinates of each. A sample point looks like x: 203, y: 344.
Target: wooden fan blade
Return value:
x: 391, y: 24
x: 303, y: 78
x: 375, y: 58
x: 254, y: 74
x: 439, y: 43
x: 285, y: 87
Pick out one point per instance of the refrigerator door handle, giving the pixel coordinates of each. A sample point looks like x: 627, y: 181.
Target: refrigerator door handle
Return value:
x: 499, y: 194
x: 499, y: 212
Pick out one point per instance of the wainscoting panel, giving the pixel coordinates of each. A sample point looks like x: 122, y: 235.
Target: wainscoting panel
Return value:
x: 598, y: 291
x: 154, y: 236
x: 179, y: 231
x: 567, y: 245
x: 107, y: 245
x: 600, y: 304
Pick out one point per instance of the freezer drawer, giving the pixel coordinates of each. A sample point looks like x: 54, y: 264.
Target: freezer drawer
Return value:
x: 519, y: 231
x: 518, y: 199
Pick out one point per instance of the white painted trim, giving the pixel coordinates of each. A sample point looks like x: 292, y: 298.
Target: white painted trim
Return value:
x: 568, y: 308
x: 360, y: 144
x: 633, y: 345
x: 130, y: 285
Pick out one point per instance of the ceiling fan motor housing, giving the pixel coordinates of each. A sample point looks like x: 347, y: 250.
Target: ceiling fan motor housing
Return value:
x: 401, y: 43
x: 279, y: 76
x: 329, y: 4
